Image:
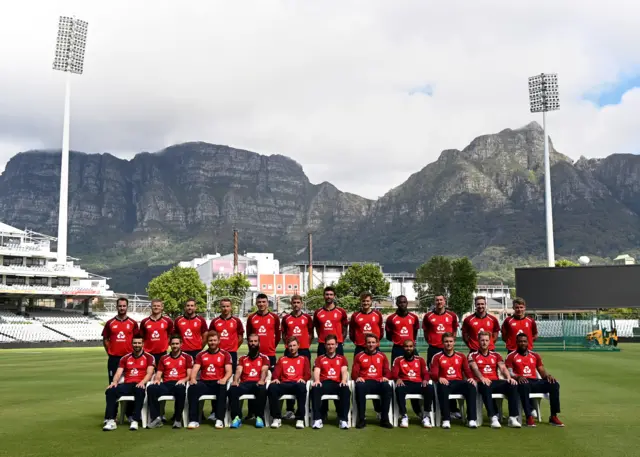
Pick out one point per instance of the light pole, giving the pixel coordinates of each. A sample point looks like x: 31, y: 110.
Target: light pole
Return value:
x: 543, y: 97
x: 70, y: 45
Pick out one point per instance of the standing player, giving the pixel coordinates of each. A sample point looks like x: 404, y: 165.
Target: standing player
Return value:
x: 450, y: 368
x: 266, y: 325
x: 137, y: 368
x: 401, y: 326
x: 485, y: 364
x: 172, y: 375
x: 216, y: 371
x: 300, y: 325
x: 331, y: 377
x: 155, y: 331
x: 479, y: 322
x: 250, y: 379
x: 289, y: 378
x: 517, y: 324
x: 192, y: 328
x: 524, y: 365
x: 330, y: 319
x: 367, y: 320
x: 411, y: 375
x: 371, y: 374
x: 230, y: 329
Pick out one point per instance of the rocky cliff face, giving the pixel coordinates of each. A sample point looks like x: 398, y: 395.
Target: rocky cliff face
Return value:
x: 486, y: 202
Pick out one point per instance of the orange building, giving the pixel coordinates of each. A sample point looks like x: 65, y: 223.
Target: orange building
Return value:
x: 279, y: 284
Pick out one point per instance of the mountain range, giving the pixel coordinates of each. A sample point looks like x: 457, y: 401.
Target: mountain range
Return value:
x: 131, y: 219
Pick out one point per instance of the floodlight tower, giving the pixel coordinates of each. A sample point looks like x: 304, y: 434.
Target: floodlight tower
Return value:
x: 543, y: 97
x: 70, y: 45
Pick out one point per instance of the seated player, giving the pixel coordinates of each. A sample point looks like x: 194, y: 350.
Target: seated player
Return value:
x: 412, y: 377
x: 172, y: 375
x: 524, y: 366
x: 250, y: 379
x: 486, y: 364
x: 137, y: 368
x: 450, y: 368
x: 331, y: 377
x: 371, y: 374
x: 214, y: 366
x: 289, y: 378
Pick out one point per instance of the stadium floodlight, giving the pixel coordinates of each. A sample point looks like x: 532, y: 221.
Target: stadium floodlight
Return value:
x: 543, y: 97
x: 69, y: 58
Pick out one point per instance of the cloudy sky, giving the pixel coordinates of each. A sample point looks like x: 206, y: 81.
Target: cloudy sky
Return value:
x: 361, y: 93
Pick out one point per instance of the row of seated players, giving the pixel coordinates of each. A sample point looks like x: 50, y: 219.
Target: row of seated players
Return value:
x: 453, y: 373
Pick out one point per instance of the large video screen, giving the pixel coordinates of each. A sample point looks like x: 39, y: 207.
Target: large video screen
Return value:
x: 584, y: 287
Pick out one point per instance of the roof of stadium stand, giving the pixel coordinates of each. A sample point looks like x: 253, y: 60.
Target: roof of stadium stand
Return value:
x: 4, y: 228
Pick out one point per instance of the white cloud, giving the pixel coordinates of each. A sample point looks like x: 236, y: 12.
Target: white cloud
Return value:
x: 326, y: 83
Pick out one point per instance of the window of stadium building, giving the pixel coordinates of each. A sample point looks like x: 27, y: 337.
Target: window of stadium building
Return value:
x: 16, y: 280
x: 36, y: 262
x: 39, y: 281
x: 58, y: 282
x: 8, y: 261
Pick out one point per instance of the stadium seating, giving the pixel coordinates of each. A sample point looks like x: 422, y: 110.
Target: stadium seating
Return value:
x: 90, y: 331
x: 31, y: 332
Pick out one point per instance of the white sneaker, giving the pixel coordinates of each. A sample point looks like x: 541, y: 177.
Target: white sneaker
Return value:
x: 378, y: 416
x: 177, y: 424
x: 289, y: 415
x: 446, y: 424
x: 473, y: 424
x: 344, y: 425
x: 276, y: 423
x: 157, y: 422
x: 133, y: 425
x: 404, y: 422
x: 219, y: 424
x: 534, y: 413
x: 193, y: 425
x: 426, y: 421
x: 211, y: 417
x: 456, y: 415
x: 514, y: 422
x: 317, y: 424
x: 299, y: 424
x: 495, y: 422
x: 109, y: 425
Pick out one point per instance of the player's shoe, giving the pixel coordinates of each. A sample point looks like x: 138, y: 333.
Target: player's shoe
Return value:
x: 212, y: 417
x: 276, y: 423
x: 378, y: 416
x: 531, y: 422
x: 236, y: 423
x: 495, y: 422
x: 473, y: 424
x: 404, y: 422
x: 299, y: 424
x: 289, y: 415
x: 133, y: 425
x: 426, y: 421
x: 259, y: 422
x: 109, y: 425
x: 344, y: 425
x: 456, y: 415
x: 514, y: 422
x: 386, y: 424
x: 177, y: 424
x: 317, y: 425
x: 219, y: 424
x: 553, y: 420
x: 361, y: 424
x: 157, y: 422
x: 446, y: 424
x: 193, y: 425
x: 534, y: 413
x: 164, y: 419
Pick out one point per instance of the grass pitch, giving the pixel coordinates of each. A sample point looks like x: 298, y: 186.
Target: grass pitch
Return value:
x: 52, y: 404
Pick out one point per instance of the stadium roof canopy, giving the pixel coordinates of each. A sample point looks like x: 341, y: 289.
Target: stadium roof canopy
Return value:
x: 4, y: 228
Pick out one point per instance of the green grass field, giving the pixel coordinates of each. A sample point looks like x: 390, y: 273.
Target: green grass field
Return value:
x: 52, y: 404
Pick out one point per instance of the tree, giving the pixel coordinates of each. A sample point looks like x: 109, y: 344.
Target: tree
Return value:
x: 314, y: 299
x: 432, y: 278
x: 234, y: 287
x: 358, y: 279
x: 464, y: 280
x: 562, y: 263
x: 175, y: 287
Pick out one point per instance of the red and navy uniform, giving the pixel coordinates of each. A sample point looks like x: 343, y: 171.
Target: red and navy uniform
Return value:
x: 134, y: 369
x: 412, y: 372
x: 251, y: 373
x: 513, y: 326
x: 252, y: 367
x: 526, y: 364
x: 192, y: 330
x: 330, y: 321
x: 118, y: 334
x: 156, y: 333
x: 290, y: 371
x: 434, y: 326
x: 372, y: 368
x: 302, y: 328
x: 231, y: 332
x: 473, y: 324
x: 330, y: 379
x: 173, y: 369
x: 488, y: 365
x: 399, y: 329
x: 213, y: 365
x: 454, y: 368
x: 267, y: 327
x: 213, y: 368
x: 362, y: 323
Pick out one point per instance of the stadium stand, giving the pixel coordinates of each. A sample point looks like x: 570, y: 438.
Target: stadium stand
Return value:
x: 90, y: 331
x: 31, y: 332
